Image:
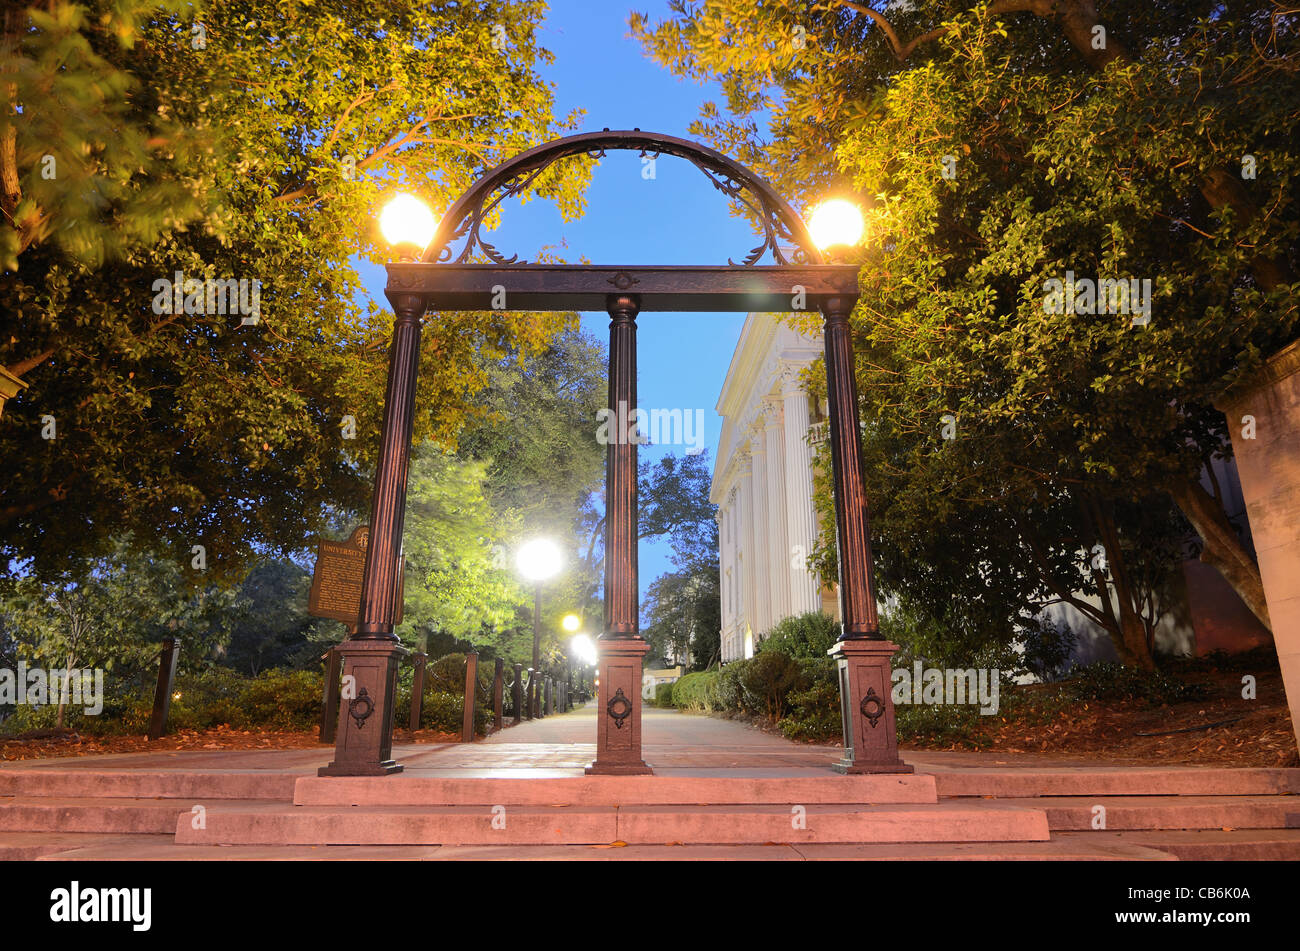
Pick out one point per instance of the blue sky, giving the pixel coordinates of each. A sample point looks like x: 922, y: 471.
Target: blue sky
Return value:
x: 676, y: 218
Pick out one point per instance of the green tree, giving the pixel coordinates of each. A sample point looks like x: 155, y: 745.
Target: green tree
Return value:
x: 1001, y: 147
x: 682, y: 614
x: 456, y: 580
x: 266, y: 624
x: 112, y: 614
x: 254, y: 140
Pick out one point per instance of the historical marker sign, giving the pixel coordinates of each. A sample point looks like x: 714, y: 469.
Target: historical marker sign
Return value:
x: 336, y: 582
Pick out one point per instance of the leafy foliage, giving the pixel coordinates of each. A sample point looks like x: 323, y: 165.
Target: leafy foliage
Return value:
x: 995, y: 153
x: 262, y: 152
x: 806, y: 635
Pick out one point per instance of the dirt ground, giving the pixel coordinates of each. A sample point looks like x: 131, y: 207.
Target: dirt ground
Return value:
x: 1222, y: 729
x: 1247, y: 732
x: 221, y: 738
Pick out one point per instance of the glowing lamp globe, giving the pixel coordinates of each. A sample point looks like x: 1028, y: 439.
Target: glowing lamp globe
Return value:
x: 407, y: 222
x: 583, y: 649
x: 538, y: 559
x: 571, y: 622
x: 836, y: 223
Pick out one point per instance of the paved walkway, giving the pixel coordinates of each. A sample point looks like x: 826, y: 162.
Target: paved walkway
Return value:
x: 683, y: 744
x: 563, y: 744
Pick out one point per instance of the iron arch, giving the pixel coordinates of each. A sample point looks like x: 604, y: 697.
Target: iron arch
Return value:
x: 779, y: 221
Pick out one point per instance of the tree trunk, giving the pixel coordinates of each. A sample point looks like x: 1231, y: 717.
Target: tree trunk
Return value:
x: 1127, y: 630
x: 1222, y: 548
x: 63, y: 693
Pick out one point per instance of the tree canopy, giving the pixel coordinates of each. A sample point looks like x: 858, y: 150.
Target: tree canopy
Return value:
x: 999, y: 148
x: 254, y: 141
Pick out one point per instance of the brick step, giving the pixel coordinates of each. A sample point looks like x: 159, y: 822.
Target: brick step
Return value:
x: 30, y: 846
x: 406, y: 789
x: 1075, y: 813
x: 137, y: 816
x: 1089, y: 781
x: 142, y: 784
x: 164, y: 848
x: 593, y: 825
x: 1206, y: 844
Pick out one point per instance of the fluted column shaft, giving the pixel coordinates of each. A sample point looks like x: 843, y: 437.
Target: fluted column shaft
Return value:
x: 379, y: 583
x: 801, y: 518
x: 745, y: 579
x: 778, y: 547
x: 620, y: 474
x: 857, y: 591
x: 758, y: 520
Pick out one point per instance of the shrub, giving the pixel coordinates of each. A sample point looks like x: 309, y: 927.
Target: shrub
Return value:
x: 441, y: 711
x: 814, y: 711
x: 731, y: 695
x: 938, y: 723
x: 279, y: 700
x: 1116, y: 682
x: 806, y: 635
x: 697, y: 692
x: 446, y: 674
x: 766, y: 679
x: 663, y: 695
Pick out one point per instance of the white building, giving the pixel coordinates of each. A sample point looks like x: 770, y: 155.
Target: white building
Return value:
x: 763, y: 485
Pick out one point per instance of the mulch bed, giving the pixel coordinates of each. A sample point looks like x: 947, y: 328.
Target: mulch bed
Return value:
x: 1249, y: 732
x: 44, y: 744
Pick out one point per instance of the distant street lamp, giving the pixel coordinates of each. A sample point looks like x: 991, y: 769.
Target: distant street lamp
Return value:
x: 582, y: 647
x: 538, y: 560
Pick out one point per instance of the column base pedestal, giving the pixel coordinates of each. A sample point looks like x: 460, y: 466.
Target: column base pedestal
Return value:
x: 866, y: 707
x: 618, y: 710
x: 364, y: 744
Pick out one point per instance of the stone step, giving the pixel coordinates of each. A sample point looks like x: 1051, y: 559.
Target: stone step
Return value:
x: 142, y: 784
x: 1075, y: 813
x: 406, y: 789
x: 1209, y: 844
x: 29, y: 846
x: 105, y: 815
x: 1089, y: 781
x: 599, y: 825
x: 164, y: 848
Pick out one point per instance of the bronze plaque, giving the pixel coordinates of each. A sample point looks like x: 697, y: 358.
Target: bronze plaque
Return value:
x: 336, y: 581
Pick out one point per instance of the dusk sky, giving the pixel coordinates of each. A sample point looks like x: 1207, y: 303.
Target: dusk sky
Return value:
x: 678, y: 217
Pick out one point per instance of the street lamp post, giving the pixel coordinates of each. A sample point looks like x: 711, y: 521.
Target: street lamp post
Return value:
x: 449, y: 280
x: 537, y: 560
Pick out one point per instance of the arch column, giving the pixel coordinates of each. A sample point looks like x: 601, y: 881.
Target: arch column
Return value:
x: 371, y: 654
x: 863, y: 656
x: 620, y: 649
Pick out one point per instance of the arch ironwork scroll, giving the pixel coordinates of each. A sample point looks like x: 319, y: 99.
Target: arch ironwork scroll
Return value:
x: 779, y: 223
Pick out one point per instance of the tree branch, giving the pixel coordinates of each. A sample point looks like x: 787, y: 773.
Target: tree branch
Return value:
x: 1042, y: 8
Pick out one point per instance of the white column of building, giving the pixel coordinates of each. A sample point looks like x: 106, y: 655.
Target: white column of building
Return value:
x: 801, y: 520
x: 744, y: 554
x: 727, y: 570
x: 760, y: 616
x: 778, y: 548
x: 724, y: 563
